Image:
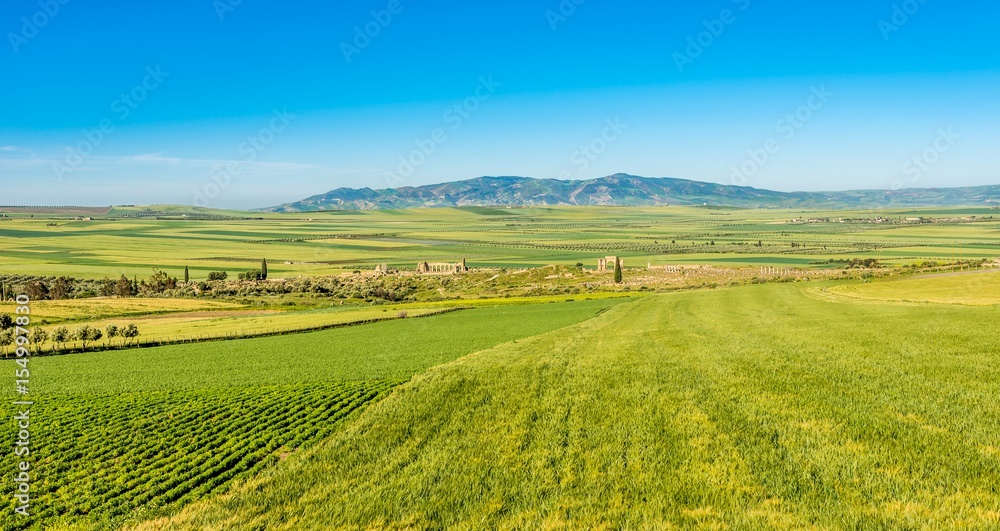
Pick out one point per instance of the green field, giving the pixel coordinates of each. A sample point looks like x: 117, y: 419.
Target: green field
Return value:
x: 87, y: 309
x: 765, y: 380
x: 950, y: 288
x: 747, y: 408
x: 134, y: 241
x: 179, y: 327
x: 123, y: 432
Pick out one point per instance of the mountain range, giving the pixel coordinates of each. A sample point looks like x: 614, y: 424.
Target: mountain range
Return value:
x: 628, y: 190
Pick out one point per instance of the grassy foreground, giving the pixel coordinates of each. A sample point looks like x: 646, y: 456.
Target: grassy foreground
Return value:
x: 119, y: 434
x: 743, y: 408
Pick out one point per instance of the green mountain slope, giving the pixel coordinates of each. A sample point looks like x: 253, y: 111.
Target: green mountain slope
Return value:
x: 629, y: 190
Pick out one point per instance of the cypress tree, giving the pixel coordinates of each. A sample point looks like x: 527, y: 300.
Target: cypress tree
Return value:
x: 187, y: 275
x: 618, y: 271
x: 263, y: 269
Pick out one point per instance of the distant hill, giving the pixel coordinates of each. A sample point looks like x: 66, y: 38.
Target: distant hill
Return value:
x: 628, y: 190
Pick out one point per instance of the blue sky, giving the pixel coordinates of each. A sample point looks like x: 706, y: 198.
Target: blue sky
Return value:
x: 249, y: 103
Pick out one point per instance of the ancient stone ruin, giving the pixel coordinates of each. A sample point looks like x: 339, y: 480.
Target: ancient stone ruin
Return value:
x: 608, y: 263
x: 440, y: 268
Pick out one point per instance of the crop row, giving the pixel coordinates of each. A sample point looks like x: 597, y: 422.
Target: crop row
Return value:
x: 103, y: 457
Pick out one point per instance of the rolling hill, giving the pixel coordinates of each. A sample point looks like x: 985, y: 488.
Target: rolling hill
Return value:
x: 628, y: 190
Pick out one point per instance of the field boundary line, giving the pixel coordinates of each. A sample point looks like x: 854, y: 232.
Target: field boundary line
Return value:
x: 269, y: 333
x: 597, y: 315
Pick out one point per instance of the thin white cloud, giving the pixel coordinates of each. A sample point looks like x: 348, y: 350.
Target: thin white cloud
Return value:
x: 18, y: 161
x: 151, y: 158
x: 19, y: 158
x: 16, y: 149
x: 161, y: 159
x: 21, y: 164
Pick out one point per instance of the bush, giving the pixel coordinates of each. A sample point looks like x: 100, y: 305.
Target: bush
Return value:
x: 252, y: 274
x: 218, y: 275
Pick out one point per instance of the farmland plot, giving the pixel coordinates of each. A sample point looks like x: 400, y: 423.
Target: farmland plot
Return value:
x: 746, y: 408
x: 120, y: 434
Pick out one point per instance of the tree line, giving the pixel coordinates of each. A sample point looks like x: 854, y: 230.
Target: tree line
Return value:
x: 86, y: 334
x: 61, y: 288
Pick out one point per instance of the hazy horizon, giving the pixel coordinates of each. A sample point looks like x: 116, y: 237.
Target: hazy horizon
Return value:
x: 264, y: 206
